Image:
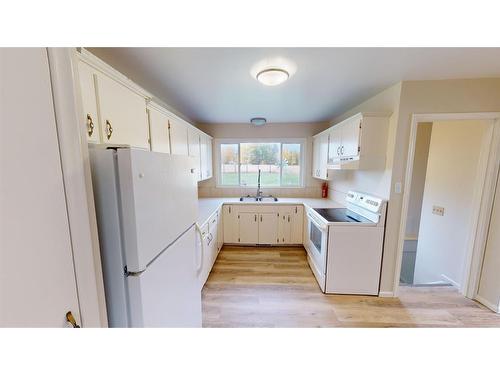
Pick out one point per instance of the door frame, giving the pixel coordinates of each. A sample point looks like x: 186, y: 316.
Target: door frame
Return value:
x: 483, y: 195
x: 77, y: 181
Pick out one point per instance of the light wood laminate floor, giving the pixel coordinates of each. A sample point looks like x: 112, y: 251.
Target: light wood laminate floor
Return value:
x: 274, y: 287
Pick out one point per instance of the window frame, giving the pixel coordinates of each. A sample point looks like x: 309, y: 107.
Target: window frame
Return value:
x: 218, y: 173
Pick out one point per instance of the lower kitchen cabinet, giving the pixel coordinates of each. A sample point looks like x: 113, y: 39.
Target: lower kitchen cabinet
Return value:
x: 210, y: 249
x: 230, y: 224
x: 268, y: 228
x: 263, y: 224
x: 248, y: 227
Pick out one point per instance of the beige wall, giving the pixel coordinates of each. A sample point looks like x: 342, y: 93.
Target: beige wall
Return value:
x: 446, y: 96
x: 312, y: 186
x: 454, y: 152
x: 404, y: 100
x: 376, y: 182
x: 422, y: 144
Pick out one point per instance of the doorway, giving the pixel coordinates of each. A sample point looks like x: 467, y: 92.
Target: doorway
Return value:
x: 447, y: 200
x: 441, y: 205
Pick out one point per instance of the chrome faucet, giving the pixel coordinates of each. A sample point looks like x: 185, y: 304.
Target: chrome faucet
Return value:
x: 259, y: 196
x: 259, y: 190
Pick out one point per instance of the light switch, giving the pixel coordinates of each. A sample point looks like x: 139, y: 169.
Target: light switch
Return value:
x: 436, y: 210
x: 397, y: 188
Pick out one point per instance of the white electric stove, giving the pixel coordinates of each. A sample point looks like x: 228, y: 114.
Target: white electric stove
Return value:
x: 345, y: 245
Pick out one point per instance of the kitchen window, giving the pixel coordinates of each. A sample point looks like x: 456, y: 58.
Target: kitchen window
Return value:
x: 280, y: 163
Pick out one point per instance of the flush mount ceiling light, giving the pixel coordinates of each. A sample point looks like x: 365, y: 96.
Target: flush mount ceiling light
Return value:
x: 272, y: 71
x: 272, y: 76
x: 258, y: 121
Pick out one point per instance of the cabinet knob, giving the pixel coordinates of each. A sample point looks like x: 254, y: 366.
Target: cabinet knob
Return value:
x: 90, y: 125
x: 109, y: 129
x: 71, y: 319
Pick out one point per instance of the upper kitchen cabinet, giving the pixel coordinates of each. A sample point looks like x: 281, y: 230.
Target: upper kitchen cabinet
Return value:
x: 122, y: 113
x: 114, y: 108
x: 158, y: 129
x: 359, y: 142
x: 178, y: 137
x: 206, y: 156
x: 87, y: 80
x: 320, y: 155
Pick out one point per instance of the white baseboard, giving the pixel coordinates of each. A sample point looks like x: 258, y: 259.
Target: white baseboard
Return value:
x: 488, y: 304
x: 450, y: 281
x: 386, y: 294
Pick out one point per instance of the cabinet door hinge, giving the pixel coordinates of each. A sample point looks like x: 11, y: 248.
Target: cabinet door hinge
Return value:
x: 238, y: 216
x: 359, y: 148
x: 239, y: 240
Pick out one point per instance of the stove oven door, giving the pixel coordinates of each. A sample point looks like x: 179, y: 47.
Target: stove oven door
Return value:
x: 316, y: 246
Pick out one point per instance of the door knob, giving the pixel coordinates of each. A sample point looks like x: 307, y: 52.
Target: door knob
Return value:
x: 71, y: 319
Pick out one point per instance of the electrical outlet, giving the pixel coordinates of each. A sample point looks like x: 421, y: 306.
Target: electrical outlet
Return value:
x: 436, y: 210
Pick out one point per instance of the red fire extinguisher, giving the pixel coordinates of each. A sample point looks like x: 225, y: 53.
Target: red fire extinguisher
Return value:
x: 324, y: 190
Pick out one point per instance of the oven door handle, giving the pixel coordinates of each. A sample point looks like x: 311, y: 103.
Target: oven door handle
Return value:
x: 320, y: 226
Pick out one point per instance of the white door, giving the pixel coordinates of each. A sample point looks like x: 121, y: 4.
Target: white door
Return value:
x: 123, y: 114
x: 209, y: 157
x: 350, y: 138
x: 268, y: 228
x: 167, y: 293
x: 297, y: 227
x: 231, y: 224
x: 37, y: 279
x: 220, y: 238
x: 153, y: 218
x: 489, y: 285
x: 323, y: 156
x: 178, y: 137
x: 194, y: 147
x: 203, y: 156
x: 284, y: 227
x: 316, y: 151
x: 248, y: 227
x: 89, y: 101
x: 158, y: 127
x: 335, y: 145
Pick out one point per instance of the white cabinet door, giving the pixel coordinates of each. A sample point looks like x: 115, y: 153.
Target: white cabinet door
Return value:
x: 178, y: 137
x: 87, y: 77
x: 350, y: 138
x: 209, y: 157
x: 37, y: 278
x: 297, y: 225
x: 123, y: 114
x: 335, y: 145
x: 248, y: 228
x: 193, y: 142
x: 268, y: 228
x: 158, y: 125
x: 230, y: 223
x: 203, y: 156
x: 220, y: 238
x: 194, y: 147
x: 315, y: 156
x: 323, y: 156
x: 284, y: 227
x: 213, y: 229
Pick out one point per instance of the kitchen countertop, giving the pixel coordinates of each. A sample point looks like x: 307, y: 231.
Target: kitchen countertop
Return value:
x: 207, y: 206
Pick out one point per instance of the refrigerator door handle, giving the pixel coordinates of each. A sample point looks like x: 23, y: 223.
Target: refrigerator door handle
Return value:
x: 201, y: 250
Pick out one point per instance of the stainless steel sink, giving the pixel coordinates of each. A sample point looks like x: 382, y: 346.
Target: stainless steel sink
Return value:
x: 253, y: 198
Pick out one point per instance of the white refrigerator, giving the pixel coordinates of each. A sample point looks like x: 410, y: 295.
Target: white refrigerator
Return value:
x: 146, y: 207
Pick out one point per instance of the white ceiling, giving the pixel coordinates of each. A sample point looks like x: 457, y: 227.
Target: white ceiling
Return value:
x: 212, y: 85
